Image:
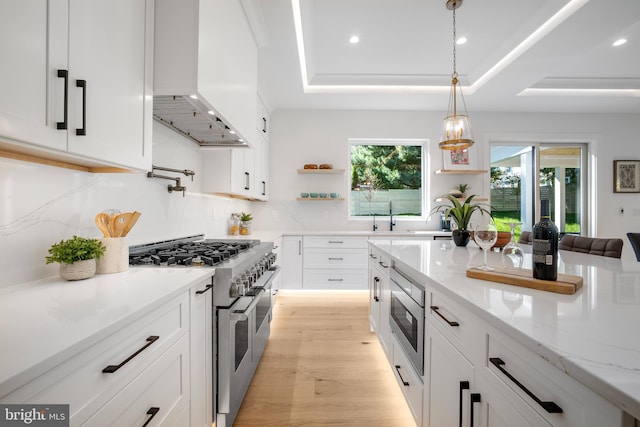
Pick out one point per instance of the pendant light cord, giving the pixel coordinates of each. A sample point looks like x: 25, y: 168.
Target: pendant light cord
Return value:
x: 455, y: 73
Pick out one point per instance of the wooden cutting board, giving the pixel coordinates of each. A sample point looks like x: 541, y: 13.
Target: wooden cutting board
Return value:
x: 566, y: 284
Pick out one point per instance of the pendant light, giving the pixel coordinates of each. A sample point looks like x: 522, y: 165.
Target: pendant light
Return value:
x: 456, y: 131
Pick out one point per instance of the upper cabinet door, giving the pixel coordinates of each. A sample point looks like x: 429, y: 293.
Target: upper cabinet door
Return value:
x: 109, y: 56
x: 33, y: 49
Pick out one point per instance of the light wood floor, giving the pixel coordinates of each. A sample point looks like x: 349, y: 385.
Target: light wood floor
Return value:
x: 322, y: 367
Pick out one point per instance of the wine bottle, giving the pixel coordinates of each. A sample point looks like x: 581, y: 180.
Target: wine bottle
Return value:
x: 545, y: 246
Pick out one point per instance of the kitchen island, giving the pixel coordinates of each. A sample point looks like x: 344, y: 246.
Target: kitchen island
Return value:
x: 590, y: 336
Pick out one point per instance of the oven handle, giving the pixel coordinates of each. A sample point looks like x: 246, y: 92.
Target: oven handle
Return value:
x: 244, y: 314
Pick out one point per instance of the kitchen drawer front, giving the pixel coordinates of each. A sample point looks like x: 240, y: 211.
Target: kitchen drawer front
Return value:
x: 409, y: 381
x: 336, y: 279
x: 163, y: 385
x: 339, y: 258
x: 456, y: 324
x: 80, y: 382
x: 382, y: 262
x: 526, y: 375
x: 335, y: 242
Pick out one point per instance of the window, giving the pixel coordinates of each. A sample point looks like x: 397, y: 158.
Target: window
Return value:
x: 386, y: 175
x: 522, y: 175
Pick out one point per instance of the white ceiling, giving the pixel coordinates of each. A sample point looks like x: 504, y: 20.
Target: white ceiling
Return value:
x: 517, y: 51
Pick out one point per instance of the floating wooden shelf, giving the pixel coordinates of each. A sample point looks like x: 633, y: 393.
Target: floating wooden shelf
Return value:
x: 460, y: 171
x: 321, y: 171
x: 306, y: 199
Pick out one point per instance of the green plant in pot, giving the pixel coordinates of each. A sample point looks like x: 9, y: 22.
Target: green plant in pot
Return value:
x: 77, y: 257
x: 245, y: 223
x: 460, y: 214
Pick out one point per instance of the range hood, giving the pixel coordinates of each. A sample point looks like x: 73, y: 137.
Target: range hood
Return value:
x: 190, y: 117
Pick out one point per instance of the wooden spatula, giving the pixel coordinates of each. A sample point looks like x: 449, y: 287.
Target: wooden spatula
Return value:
x: 130, y: 221
x: 101, y: 222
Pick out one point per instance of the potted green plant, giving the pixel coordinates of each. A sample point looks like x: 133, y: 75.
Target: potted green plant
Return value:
x: 460, y: 214
x: 77, y: 257
x: 245, y: 223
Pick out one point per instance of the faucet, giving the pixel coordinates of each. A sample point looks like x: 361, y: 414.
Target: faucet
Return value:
x: 375, y: 227
x: 391, y: 222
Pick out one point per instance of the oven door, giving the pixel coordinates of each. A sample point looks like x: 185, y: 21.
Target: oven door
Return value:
x: 236, y: 364
x: 407, y: 322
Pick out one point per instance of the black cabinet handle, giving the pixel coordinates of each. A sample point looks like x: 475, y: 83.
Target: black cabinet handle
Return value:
x: 264, y: 125
x: 202, y: 291
x: 335, y: 280
x: 475, y: 398
x: 375, y: 289
x: 153, y: 411
x: 464, y: 385
x: 264, y: 188
x: 83, y: 85
x: 436, y: 309
x: 373, y: 256
x: 335, y: 259
x: 404, y: 383
x: 246, y: 180
x: 64, y: 74
x: 112, y: 368
x: 550, y: 407
x: 382, y: 264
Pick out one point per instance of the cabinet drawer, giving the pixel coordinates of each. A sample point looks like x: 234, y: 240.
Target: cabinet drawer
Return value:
x: 454, y: 322
x: 335, y: 242
x: 558, y: 398
x: 81, y: 382
x: 161, y: 391
x: 336, y: 279
x: 339, y: 258
x: 380, y: 261
x: 409, y: 381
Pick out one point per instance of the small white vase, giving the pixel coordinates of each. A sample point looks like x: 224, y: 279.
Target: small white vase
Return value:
x: 78, y: 270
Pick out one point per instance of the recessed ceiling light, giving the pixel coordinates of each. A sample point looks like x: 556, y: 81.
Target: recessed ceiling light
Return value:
x: 354, y: 39
x: 619, y: 42
x: 194, y: 96
x: 211, y: 112
x: 461, y: 40
x: 232, y: 132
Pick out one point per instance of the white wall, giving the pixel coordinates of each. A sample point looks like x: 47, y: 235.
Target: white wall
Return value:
x: 42, y: 205
x: 299, y: 137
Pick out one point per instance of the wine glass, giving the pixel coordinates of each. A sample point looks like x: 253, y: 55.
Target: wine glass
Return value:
x: 485, y: 236
x: 512, y: 254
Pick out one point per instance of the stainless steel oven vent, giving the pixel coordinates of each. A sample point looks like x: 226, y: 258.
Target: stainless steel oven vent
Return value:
x: 191, y: 118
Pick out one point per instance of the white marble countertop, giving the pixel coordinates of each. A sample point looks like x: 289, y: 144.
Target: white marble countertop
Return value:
x: 591, y: 335
x: 371, y: 234
x: 43, y: 323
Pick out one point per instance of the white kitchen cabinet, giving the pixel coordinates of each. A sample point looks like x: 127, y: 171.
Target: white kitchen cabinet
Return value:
x: 291, y: 262
x: 77, y: 91
x: 263, y: 124
x: 201, y: 355
x: 335, y: 262
x: 380, y: 298
x: 229, y: 172
x: 409, y: 381
x: 261, y: 169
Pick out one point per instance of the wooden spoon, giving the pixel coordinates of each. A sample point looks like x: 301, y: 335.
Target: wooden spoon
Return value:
x: 120, y: 222
x: 131, y: 222
x: 101, y: 222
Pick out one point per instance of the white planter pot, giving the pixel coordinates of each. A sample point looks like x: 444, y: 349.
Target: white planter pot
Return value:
x: 78, y: 270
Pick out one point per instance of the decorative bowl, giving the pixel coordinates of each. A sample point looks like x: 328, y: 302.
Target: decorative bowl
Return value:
x: 323, y: 195
x: 314, y: 195
x: 334, y: 195
x: 304, y: 195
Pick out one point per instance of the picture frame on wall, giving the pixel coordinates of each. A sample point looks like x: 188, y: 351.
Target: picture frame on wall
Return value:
x: 626, y: 176
x: 460, y: 159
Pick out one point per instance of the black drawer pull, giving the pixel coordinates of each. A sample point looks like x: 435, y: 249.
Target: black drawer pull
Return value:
x: 153, y: 411
x: 335, y: 259
x: 112, y: 368
x: 335, y: 280
x: 383, y: 265
x: 475, y: 398
x: 550, y: 407
x: 64, y: 74
x: 336, y: 241
x: 464, y: 385
x: 376, y: 282
x: 373, y: 256
x: 202, y: 291
x: 83, y: 85
x: 435, y: 309
x: 404, y: 383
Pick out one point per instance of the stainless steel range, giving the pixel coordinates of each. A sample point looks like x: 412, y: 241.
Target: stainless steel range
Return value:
x: 244, y: 272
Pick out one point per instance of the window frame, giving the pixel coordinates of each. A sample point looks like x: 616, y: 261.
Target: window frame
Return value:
x: 424, y: 169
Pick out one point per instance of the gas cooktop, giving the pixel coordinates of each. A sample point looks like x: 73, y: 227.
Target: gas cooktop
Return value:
x: 190, y: 251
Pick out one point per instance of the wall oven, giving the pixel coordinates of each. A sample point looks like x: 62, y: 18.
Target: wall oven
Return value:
x: 407, y: 316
